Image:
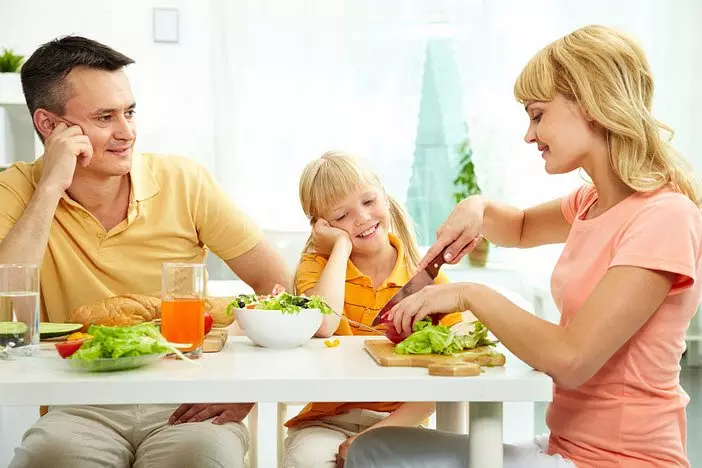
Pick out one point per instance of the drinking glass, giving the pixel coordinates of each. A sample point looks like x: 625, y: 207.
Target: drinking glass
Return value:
x: 183, y: 305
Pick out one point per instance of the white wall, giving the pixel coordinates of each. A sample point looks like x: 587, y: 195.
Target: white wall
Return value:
x: 299, y: 78
x: 172, y: 83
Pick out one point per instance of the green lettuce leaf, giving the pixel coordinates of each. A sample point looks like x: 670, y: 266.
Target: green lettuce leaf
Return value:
x: 439, y: 339
x: 285, y: 302
x: 116, y: 342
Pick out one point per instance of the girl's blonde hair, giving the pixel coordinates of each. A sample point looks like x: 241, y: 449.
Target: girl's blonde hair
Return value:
x: 608, y: 75
x: 330, y: 178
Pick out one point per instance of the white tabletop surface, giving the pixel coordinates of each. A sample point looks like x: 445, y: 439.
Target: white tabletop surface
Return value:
x: 243, y: 372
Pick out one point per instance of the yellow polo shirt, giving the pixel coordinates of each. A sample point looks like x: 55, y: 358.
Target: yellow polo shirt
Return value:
x: 176, y: 213
x: 362, y: 303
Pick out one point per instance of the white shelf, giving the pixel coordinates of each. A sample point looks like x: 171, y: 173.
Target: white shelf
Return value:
x: 17, y: 135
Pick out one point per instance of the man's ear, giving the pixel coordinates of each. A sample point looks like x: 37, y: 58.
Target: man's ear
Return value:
x: 44, y: 122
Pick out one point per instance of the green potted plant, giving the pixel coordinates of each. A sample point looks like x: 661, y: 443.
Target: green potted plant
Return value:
x: 10, y: 84
x: 466, y: 184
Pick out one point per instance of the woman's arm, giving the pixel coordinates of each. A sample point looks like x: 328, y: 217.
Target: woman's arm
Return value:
x: 503, y: 225
x: 619, y: 305
x: 512, y: 227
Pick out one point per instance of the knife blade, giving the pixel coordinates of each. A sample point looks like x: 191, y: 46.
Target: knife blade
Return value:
x: 422, y: 278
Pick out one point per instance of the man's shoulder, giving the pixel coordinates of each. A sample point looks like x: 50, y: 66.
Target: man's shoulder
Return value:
x: 20, y: 178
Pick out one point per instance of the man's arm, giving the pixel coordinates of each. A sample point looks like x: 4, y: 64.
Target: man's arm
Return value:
x: 261, y: 268
x: 26, y: 241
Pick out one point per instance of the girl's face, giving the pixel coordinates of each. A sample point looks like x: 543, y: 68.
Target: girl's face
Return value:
x: 365, y: 216
x: 562, y: 132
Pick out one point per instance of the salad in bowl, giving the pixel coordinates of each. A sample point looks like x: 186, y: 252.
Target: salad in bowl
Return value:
x: 280, y: 319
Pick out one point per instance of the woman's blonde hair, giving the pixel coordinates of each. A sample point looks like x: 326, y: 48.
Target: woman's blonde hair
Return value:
x: 330, y: 178
x: 608, y: 75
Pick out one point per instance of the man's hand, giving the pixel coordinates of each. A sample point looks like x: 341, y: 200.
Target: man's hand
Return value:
x: 63, y: 149
x: 221, y: 412
x: 343, y: 451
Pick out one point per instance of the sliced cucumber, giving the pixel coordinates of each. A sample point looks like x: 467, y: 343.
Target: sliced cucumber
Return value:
x: 13, y: 328
x: 53, y: 330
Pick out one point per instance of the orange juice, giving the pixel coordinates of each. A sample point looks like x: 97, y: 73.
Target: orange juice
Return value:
x: 183, y: 321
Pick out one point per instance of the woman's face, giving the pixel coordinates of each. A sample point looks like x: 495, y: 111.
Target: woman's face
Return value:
x: 562, y: 132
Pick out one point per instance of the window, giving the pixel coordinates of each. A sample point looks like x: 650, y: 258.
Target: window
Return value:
x: 440, y: 130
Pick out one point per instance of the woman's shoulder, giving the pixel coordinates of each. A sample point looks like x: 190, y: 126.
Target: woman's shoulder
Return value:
x: 665, y: 204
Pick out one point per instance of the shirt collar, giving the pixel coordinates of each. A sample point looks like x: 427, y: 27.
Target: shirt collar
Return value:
x: 144, y: 184
x: 399, y: 274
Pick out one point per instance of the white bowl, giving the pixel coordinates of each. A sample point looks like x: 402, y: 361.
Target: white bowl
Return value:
x: 274, y: 329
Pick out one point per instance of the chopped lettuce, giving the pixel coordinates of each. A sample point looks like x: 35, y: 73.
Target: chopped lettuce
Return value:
x: 283, y: 301
x: 117, y: 342
x: 439, y: 339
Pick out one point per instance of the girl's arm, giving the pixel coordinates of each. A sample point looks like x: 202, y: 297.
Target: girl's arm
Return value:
x: 331, y: 286
x: 336, y: 244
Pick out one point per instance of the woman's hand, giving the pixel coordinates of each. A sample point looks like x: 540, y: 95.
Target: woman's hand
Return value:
x: 461, y: 232
x: 437, y: 298
x: 325, y: 237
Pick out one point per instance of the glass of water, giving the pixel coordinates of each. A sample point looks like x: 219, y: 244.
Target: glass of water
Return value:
x: 19, y: 310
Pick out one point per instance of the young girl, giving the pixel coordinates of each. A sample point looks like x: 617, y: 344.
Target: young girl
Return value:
x: 361, y: 252
x: 626, y: 284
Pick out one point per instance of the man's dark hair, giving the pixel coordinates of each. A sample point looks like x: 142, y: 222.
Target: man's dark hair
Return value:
x: 44, y: 73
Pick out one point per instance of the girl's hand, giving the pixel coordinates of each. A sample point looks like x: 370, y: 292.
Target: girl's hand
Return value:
x: 343, y: 451
x: 437, y: 298
x: 461, y: 232
x: 326, y: 237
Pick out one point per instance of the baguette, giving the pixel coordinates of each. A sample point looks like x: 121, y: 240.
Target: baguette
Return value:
x: 133, y: 309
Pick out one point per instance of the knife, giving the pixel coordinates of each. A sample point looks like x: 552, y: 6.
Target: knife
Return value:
x: 422, y: 278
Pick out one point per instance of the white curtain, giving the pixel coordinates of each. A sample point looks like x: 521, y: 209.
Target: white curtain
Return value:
x: 295, y: 79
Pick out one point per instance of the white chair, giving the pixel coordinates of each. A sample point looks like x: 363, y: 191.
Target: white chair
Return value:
x: 280, y: 421
x: 251, y: 422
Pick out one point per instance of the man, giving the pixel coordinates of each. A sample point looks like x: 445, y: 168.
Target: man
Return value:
x: 101, y: 220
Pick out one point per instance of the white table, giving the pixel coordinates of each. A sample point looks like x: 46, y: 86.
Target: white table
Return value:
x: 243, y: 372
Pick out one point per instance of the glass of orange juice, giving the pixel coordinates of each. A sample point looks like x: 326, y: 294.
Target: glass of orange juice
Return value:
x: 183, y: 305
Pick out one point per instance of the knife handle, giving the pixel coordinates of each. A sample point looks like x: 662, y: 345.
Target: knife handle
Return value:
x: 435, y: 264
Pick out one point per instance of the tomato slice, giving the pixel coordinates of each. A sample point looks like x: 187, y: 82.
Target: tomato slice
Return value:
x: 67, y: 348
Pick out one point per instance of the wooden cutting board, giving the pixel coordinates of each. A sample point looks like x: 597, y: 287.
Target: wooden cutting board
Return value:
x: 465, y: 364
x: 215, y: 340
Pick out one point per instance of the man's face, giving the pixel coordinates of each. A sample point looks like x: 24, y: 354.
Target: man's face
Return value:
x: 102, y: 104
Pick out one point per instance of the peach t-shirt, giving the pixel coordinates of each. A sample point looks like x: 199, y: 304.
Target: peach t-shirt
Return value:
x: 631, y: 413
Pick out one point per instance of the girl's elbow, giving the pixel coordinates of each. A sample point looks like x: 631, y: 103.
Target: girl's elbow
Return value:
x: 327, y: 328
x: 324, y: 331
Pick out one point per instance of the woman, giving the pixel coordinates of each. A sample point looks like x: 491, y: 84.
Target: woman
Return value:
x: 626, y: 283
